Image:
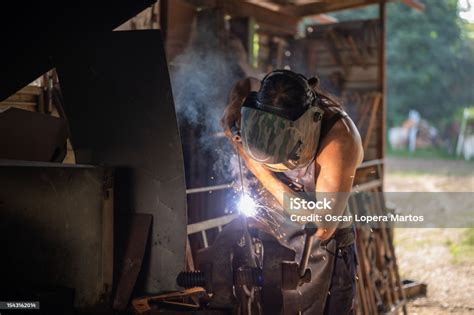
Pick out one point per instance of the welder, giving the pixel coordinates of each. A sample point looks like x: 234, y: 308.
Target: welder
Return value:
x: 295, y: 137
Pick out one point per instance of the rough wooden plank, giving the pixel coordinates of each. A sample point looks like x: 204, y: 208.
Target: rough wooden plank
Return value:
x: 132, y: 261
x: 22, y: 97
x: 108, y: 230
x: 367, y: 186
x: 189, y: 257
x: 31, y: 89
x: 414, y: 289
x: 371, y: 163
x: 18, y: 104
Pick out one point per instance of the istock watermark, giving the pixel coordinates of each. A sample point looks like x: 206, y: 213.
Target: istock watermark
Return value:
x: 383, y: 209
x: 297, y: 203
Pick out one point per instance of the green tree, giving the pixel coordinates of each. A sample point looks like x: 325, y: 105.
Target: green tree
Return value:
x: 430, y: 66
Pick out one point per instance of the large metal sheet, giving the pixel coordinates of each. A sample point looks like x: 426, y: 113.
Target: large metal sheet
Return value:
x: 118, y: 100
x: 56, y: 231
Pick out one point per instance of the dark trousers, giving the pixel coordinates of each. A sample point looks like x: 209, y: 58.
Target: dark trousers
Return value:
x: 341, y: 295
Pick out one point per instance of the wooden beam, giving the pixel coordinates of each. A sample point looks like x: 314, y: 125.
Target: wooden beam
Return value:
x: 323, y: 19
x: 283, y: 2
x: 18, y: 104
x: 261, y: 14
x: 371, y: 163
x: 204, y: 4
x: 374, y: 110
x: 324, y: 7
x: 330, y: 6
x: 236, y: 8
x: 189, y: 257
x: 376, y: 183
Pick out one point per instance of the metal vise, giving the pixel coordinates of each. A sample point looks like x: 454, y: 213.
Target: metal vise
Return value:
x: 259, y: 260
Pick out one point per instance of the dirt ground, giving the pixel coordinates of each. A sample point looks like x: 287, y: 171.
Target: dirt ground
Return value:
x: 441, y: 258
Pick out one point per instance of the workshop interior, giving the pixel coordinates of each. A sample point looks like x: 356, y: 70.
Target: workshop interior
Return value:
x: 121, y: 194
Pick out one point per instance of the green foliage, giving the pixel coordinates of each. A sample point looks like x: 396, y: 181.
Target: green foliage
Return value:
x: 468, y: 239
x: 463, y: 250
x: 430, y: 62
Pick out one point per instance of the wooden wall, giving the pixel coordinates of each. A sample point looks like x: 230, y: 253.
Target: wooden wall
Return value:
x: 29, y: 98
x: 346, y: 56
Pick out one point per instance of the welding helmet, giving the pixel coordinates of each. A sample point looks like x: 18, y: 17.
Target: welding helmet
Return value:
x: 275, y: 136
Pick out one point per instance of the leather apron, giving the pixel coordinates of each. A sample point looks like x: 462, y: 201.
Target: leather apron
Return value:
x: 310, y: 298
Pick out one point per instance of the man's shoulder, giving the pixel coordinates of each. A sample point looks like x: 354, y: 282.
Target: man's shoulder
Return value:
x: 344, y: 135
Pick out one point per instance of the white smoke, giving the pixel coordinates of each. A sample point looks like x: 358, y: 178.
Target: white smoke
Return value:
x: 202, y: 78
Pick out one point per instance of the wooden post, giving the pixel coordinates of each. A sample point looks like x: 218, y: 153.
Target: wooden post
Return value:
x: 374, y: 110
x: 382, y: 81
x: 163, y: 18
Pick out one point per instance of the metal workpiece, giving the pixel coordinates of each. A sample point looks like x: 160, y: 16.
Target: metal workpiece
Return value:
x: 250, y: 277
